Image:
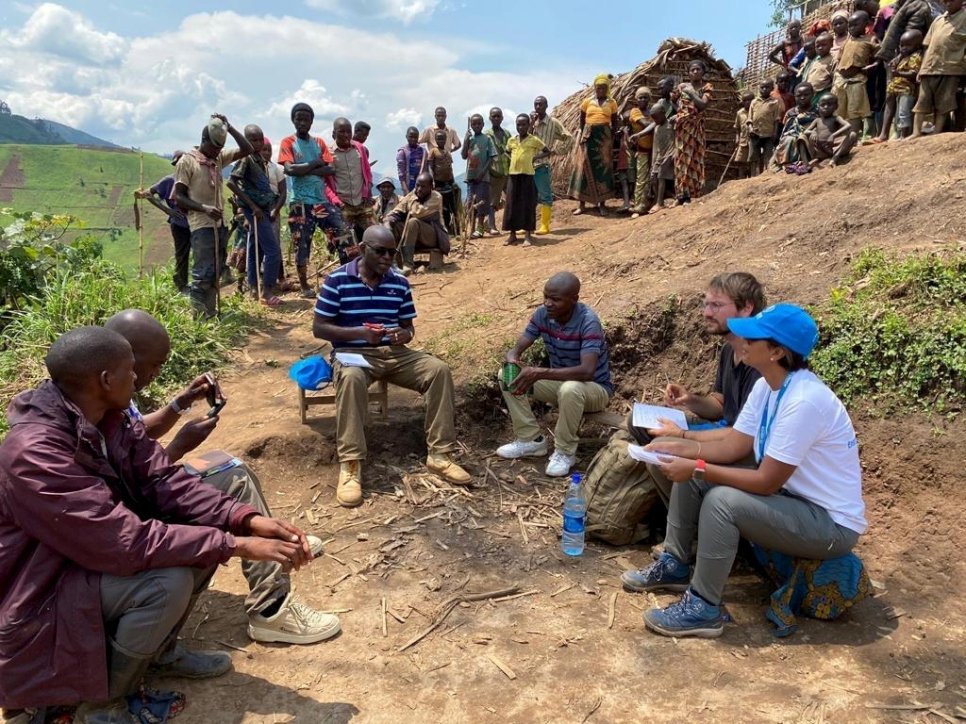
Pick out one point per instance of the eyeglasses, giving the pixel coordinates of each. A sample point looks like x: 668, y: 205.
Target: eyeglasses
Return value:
x: 714, y: 306
x: 381, y: 250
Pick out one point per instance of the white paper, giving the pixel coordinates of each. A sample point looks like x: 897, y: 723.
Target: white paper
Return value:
x: 646, y: 416
x: 351, y: 359
x: 647, y: 456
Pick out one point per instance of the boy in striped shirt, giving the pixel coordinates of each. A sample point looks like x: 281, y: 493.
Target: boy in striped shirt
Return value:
x: 366, y: 307
x: 577, y: 381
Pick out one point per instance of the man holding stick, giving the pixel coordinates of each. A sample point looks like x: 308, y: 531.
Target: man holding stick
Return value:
x: 556, y: 138
x: 161, y: 196
x: 198, y: 190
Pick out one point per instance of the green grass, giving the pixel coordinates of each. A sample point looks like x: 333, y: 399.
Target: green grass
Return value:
x: 88, y: 296
x: 97, y: 186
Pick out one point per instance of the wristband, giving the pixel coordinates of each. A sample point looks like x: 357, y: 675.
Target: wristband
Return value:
x: 700, y: 468
x: 177, y: 408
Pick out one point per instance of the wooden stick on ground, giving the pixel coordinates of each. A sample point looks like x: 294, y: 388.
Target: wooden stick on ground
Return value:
x: 508, y: 672
x: 447, y: 608
x: 385, y: 622
x: 611, y: 610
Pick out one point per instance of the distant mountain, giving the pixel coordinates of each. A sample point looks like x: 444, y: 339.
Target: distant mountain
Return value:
x: 17, y: 129
x: 79, y: 138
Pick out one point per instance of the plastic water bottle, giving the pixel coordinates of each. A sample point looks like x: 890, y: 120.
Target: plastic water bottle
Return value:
x: 574, y: 515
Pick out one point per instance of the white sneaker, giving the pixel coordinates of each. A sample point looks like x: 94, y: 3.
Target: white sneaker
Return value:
x: 522, y: 449
x: 559, y: 464
x: 293, y: 623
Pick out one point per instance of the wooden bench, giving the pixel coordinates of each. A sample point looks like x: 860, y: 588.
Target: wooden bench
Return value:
x: 379, y: 396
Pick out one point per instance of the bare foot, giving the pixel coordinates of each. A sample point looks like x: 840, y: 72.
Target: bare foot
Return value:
x: 510, y: 240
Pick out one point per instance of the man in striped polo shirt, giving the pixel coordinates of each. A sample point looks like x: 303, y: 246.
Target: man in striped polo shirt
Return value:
x: 577, y: 381
x: 366, y: 307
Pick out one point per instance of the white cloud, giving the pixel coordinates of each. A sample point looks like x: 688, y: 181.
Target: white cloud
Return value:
x: 311, y: 92
x: 56, y: 31
x: 404, y: 118
x: 405, y: 10
x: 158, y: 90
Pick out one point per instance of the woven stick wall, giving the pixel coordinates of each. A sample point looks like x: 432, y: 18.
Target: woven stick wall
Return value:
x: 757, y: 66
x: 672, y: 59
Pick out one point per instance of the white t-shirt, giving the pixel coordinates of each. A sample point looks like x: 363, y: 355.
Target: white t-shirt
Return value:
x: 813, y: 432
x: 275, y: 175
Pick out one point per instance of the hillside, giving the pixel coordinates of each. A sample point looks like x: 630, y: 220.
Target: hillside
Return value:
x: 95, y: 185
x: 573, y: 639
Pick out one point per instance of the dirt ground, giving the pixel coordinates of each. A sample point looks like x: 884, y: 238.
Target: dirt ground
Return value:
x: 11, y: 178
x: 569, y: 645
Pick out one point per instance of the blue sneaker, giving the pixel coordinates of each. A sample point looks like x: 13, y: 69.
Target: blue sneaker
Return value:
x: 691, y: 616
x: 666, y: 573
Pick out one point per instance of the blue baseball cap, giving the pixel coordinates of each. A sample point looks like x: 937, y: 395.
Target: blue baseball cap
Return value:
x: 786, y: 324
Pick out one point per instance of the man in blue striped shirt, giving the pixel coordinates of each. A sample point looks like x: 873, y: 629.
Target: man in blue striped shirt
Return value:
x: 366, y: 307
x: 577, y: 381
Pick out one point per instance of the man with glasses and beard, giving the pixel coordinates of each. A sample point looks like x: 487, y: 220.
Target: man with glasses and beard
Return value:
x: 733, y: 294
x: 366, y: 307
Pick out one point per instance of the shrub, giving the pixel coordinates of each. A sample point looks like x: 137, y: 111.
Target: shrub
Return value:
x: 895, y: 332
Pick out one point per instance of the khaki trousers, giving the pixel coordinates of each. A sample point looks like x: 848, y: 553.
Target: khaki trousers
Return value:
x: 571, y: 398
x: 418, y: 234
x: 412, y: 369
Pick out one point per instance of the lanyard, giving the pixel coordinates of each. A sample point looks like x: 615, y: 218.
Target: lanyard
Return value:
x: 764, y: 427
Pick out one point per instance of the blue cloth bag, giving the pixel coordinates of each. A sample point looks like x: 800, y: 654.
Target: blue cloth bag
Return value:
x: 310, y: 372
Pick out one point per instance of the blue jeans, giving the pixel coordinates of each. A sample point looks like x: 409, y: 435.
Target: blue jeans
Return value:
x: 304, y: 218
x: 268, y: 253
x: 205, y: 266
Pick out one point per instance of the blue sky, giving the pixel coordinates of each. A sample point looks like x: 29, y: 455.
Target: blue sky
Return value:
x: 148, y: 75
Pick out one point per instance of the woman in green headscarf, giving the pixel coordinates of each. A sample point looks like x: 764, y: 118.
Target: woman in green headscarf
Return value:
x: 593, y: 177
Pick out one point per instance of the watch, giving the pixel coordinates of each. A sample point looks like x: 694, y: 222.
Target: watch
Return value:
x: 700, y: 468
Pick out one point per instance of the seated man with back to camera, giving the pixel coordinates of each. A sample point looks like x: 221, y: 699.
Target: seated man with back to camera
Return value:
x: 275, y: 614
x: 366, y: 307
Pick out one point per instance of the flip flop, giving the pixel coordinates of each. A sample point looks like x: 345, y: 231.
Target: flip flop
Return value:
x: 271, y: 301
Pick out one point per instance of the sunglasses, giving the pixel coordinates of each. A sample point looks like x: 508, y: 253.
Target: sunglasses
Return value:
x: 381, y: 250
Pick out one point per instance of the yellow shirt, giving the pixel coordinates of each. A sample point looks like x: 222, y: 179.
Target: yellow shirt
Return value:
x: 945, y: 46
x: 640, y: 121
x: 597, y: 114
x: 522, y: 152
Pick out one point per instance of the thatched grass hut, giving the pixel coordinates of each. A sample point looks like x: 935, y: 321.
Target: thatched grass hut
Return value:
x: 672, y: 59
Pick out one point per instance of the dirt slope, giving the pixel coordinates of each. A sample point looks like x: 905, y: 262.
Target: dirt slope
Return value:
x: 417, y: 543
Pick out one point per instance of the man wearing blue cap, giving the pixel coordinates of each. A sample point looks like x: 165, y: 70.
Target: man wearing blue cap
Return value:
x: 804, y: 498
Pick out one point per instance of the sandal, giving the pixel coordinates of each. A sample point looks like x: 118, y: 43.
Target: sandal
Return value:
x: 272, y: 301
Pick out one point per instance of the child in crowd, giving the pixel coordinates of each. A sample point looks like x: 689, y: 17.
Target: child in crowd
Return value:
x: 808, y: 54
x: 787, y: 156
x: 943, y: 67
x: 478, y: 151
x: 386, y: 201
x: 662, y: 155
x: 783, y: 91
x: 829, y: 137
x: 903, y: 86
x: 742, y: 144
x: 665, y: 91
x: 783, y: 53
x: 840, y: 32
x: 851, y: 72
x: 440, y: 164
x: 764, y: 124
x: 500, y: 166
x: 521, y: 193
x: 820, y: 71
x: 641, y: 146
x: 360, y: 134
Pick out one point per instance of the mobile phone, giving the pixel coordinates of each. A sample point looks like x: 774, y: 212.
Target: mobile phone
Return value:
x: 216, y: 407
x: 212, y: 393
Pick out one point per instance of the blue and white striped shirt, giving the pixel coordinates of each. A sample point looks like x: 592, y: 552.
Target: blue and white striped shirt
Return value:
x: 348, y: 301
